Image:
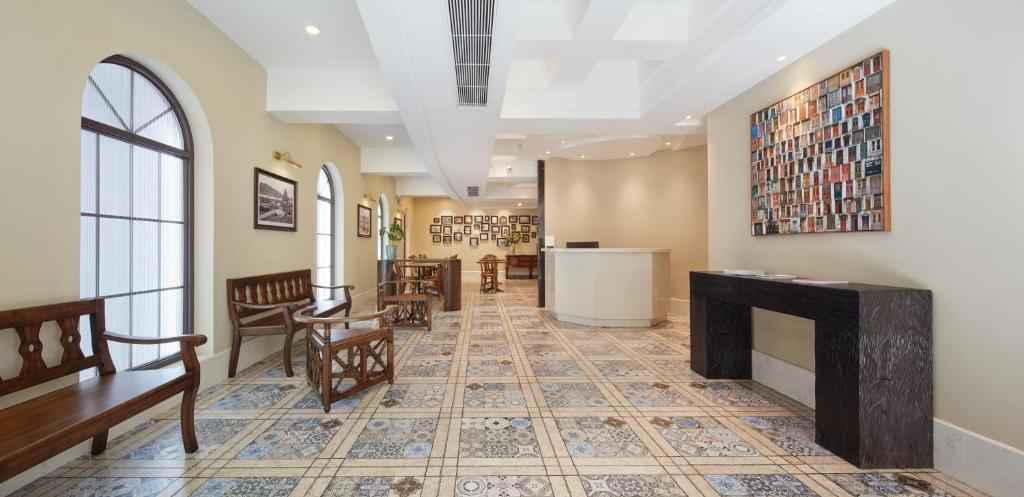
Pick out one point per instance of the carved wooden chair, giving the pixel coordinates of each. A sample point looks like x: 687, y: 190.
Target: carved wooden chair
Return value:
x: 263, y: 305
x: 409, y: 294
x: 364, y: 355
x: 489, y: 273
x: 44, y: 426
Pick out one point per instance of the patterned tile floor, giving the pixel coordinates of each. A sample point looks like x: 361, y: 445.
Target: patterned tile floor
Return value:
x: 497, y: 401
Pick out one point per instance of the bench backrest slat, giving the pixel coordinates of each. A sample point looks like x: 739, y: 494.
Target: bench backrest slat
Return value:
x: 266, y: 289
x: 28, y: 322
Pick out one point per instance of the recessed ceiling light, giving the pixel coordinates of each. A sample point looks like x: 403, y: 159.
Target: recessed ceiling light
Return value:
x: 519, y: 204
x: 389, y: 138
x: 583, y: 156
x: 780, y: 58
x: 689, y: 116
x: 547, y: 152
x: 668, y: 144
x: 563, y: 142
x: 631, y: 154
x: 313, y: 30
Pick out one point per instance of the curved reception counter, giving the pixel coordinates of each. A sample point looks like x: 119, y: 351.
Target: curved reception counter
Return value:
x: 608, y: 287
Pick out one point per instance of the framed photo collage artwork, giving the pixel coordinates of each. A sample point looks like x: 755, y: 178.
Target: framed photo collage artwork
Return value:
x: 478, y: 228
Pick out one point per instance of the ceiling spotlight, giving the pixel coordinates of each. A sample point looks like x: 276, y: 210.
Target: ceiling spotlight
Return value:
x: 583, y: 156
x: 313, y: 30
x: 563, y: 142
x: 631, y: 154
x: 389, y: 138
x: 689, y: 116
x: 780, y: 58
x: 548, y: 152
x: 668, y: 144
x: 519, y: 204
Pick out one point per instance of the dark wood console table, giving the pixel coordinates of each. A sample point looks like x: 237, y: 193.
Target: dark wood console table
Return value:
x: 451, y: 279
x: 872, y: 355
x: 528, y: 261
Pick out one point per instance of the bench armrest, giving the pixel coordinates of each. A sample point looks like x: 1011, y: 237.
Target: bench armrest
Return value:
x: 188, y: 347
x: 348, y: 289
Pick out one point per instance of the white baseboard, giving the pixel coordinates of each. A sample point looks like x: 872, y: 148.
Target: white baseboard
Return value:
x: 680, y: 307
x: 792, y: 381
x: 985, y: 464
x: 213, y: 370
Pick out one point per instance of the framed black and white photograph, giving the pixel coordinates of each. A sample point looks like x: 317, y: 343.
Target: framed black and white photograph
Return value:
x: 494, y: 219
x: 447, y: 240
x: 446, y: 219
x: 458, y: 219
x: 446, y: 229
x: 503, y: 242
x: 274, y: 202
x: 534, y: 219
x: 515, y: 228
x: 474, y: 241
x: 525, y: 238
x: 505, y: 230
x: 478, y: 219
x: 467, y: 229
x: 485, y: 227
x: 457, y: 236
x: 436, y: 239
x: 437, y: 220
x: 364, y: 221
x: 484, y: 237
x: 495, y: 228
x: 524, y: 219
x: 435, y: 228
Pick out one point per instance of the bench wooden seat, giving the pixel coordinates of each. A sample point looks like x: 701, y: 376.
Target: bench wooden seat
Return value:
x: 44, y: 426
x: 264, y: 304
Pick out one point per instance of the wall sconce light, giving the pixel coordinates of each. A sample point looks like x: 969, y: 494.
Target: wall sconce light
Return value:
x: 286, y: 157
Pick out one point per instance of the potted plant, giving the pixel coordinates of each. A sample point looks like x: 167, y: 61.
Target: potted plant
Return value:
x: 513, y: 240
x: 393, y: 233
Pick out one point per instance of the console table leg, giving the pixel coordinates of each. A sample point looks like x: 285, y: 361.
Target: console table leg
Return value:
x: 720, y: 340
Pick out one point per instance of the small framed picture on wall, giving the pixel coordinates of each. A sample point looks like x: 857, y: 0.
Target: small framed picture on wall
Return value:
x: 505, y: 230
x: 447, y: 240
x: 474, y: 241
x: 503, y: 242
x: 274, y: 202
x: 458, y: 219
x: 458, y: 236
x: 494, y: 219
x: 524, y: 219
x: 485, y: 227
x: 435, y: 228
x: 436, y: 239
x: 525, y: 238
x: 502, y: 220
x: 364, y: 221
x: 484, y: 237
x: 534, y: 219
x: 446, y: 219
x: 437, y: 220
x: 446, y: 229
x: 478, y: 219
x: 467, y: 229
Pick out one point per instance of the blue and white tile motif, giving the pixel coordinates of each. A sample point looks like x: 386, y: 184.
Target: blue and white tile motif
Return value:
x: 395, y: 438
x: 292, y: 438
x: 702, y: 436
x: 167, y: 445
x: 373, y: 486
x: 247, y: 487
x: 312, y: 401
x: 795, y: 434
x: 573, y: 395
x: 118, y: 487
x: 645, y: 394
x: 600, y: 437
x: 885, y: 484
x: 630, y: 486
x: 778, y: 485
x: 253, y: 396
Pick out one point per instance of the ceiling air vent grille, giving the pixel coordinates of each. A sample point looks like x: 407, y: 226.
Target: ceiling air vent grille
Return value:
x: 472, y: 22
x: 473, y: 191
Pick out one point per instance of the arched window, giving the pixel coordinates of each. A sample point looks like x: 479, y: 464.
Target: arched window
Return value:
x: 136, y: 208
x: 382, y: 222
x: 324, y: 233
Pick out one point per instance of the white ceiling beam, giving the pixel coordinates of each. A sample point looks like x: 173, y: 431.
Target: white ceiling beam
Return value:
x: 418, y: 187
x: 391, y: 162
x: 599, y: 23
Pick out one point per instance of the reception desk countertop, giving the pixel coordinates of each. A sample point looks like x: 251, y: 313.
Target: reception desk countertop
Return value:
x: 608, y: 287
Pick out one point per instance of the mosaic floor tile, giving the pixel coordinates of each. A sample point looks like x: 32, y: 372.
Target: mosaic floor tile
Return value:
x: 118, y: 487
x: 678, y: 367
x: 630, y: 486
x: 652, y: 395
x: 559, y: 367
x: 312, y: 401
x: 444, y: 349
x: 439, y: 337
x: 495, y: 334
x: 759, y: 485
x: 544, y: 349
x: 536, y: 336
x: 374, y: 486
x: 654, y: 348
x: 426, y: 368
x: 730, y: 394
x: 253, y: 396
x: 795, y: 434
x: 491, y: 368
x: 599, y: 348
x: 414, y: 395
x: 498, y: 438
x: 247, y: 487
x: 574, y: 394
x: 292, y: 438
x: 489, y: 348
x: 399, y: 438
x: 167, y: 445
x: 503, y: 486
x: 493, y: 395
x: 702, y: 436
x: 887, y: 485
x: 600, y: 437
x: 621, y: 368
x: 298, y: 367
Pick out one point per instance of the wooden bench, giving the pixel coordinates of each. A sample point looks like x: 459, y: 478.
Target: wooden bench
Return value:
x: 263, y: 305
x: 42, y: 427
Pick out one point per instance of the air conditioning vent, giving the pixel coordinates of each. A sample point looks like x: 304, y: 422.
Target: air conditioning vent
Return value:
x: 473, y: 191
x: 472, y: 22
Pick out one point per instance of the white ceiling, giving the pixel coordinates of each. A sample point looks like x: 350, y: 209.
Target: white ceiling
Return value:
x: 593, y: 79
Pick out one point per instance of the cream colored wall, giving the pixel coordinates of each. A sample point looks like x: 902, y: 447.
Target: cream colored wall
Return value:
x: 49, y: 49
x: 957, y: 175
x: 427, y: 208
x: 658, y: 202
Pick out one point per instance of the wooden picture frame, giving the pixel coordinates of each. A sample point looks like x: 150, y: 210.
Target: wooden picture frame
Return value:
x: 446, y: 239
x: 364, y: 221
x: 458, y: 219
x: 502, y: 242
x: 273, y: 202
x: 435, y: 228
x: 447, y: 220
x: 457, y: 236
x: 478, y: 219
x: 435, y: 238
x: 524, y: 219
x: 446, y: 229
x: 525, y: 238
x: 467, y: 229
x: 819, y: 159
x: 485, y: 236
x: 474, y: 241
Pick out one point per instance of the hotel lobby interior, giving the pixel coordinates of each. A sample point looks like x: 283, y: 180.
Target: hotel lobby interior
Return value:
x: 511, y: 248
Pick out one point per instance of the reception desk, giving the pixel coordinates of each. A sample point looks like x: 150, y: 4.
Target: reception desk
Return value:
x: 608, y: 287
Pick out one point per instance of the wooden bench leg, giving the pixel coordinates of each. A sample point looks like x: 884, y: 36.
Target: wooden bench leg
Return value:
x: 391, y: 360
x: 430, y: 317
x: 347, y: 311
x: 99, y: 443
x: 236, y: 346
x: 288, y: 337
x: 188, y: 419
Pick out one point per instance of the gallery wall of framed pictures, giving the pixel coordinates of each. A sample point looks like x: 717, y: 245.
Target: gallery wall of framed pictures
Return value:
x: 819, y: 159
x: 483, y: 231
